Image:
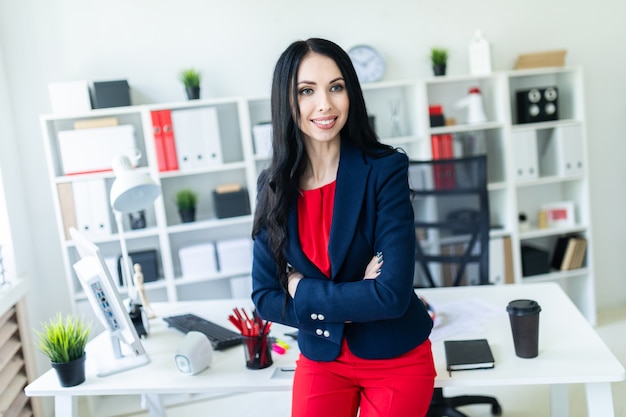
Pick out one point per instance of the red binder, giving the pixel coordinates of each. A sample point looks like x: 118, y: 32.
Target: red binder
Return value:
x: 443, y: 148
x: 169, y: 142
x: 159, y: 145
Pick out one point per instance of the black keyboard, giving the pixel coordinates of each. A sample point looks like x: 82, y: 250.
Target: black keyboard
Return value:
x: 220, y: 337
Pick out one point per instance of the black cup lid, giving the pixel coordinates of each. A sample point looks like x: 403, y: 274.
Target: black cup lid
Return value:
x: 523, y: 307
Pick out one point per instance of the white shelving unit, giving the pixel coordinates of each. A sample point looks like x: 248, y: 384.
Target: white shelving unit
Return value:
x: 554, y: 151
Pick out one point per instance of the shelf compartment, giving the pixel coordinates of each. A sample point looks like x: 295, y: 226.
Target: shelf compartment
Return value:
x: 392, y: 107
x: 530, y: 200
x: 566, y: 80
x: 448, y: 95
x: 204, y: 184
x: 52, y: 126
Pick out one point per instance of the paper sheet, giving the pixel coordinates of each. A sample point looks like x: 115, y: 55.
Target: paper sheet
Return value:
x: 455, y: 318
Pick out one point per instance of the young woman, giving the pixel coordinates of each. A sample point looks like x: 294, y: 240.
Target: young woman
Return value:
x: 334, y: 246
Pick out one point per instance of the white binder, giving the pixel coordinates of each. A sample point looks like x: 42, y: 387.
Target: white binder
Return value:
x: 526, y: 158
x: 197, y: 136
x: 92, y: 208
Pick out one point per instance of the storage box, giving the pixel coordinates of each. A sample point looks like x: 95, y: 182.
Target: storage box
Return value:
x: 231, y: 203
x: 198, y: 261
x: 534, y: 261
x: 92, y: 150
x: 148, y: 261
x: 69, y: 97
x: 241, y: 287
x: 110, y: 94
x: 234, y: 255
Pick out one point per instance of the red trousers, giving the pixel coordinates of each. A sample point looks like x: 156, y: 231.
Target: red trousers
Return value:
x: 397, y: 387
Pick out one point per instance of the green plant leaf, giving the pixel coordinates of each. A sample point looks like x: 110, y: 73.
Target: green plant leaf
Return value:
x: 63, y: 339
x: 190, y: 77
x: 186, y: 199
x: 438, y: 56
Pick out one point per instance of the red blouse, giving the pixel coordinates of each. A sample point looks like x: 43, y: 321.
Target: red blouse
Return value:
x: 315, y: 214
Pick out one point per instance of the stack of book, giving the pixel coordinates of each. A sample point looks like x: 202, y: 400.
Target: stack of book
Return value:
x: 569, y: 253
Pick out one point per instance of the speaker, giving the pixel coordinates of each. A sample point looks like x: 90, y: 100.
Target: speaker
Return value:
x: 537, y: 105
x: 194, y: 354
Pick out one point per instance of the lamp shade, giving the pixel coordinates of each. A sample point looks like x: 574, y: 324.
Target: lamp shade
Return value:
x: 131, y: 191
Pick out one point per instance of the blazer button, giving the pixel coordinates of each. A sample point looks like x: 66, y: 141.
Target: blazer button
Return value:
x: 326, y: 333
x: 313, y: 316
x: 319, y: 332
x: 320, y: 317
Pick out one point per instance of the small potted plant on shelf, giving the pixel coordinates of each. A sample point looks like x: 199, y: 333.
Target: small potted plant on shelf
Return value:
x: 190, y: 77
x: 186, y: 201
x: 63, y: 341
x: 439, y: 59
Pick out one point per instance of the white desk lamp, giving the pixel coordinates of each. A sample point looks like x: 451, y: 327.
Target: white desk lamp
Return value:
x: 131, y: 191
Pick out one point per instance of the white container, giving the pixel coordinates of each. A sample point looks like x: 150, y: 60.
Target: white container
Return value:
x: 234, y: 255
x: 479, y: 55
x: 198, y: 261
x: 70, y: 97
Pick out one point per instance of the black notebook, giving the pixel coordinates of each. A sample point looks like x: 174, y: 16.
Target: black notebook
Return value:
x: 468, y: 354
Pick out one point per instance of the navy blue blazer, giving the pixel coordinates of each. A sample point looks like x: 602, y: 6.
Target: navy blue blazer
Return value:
x: 372, y: 213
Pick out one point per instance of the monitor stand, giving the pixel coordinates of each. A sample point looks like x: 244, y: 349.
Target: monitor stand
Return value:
x: 108, y: 364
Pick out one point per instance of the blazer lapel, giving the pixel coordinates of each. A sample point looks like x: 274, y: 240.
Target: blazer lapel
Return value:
x: 294, y: 252
x: 351, y: 185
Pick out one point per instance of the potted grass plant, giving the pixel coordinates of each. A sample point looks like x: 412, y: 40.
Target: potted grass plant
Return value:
x: 439, y: 60
x: 190, y: 77
x: 63, y: 341
x: 186, y: 201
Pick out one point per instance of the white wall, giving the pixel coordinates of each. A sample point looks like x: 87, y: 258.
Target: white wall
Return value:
x: 235, y: 43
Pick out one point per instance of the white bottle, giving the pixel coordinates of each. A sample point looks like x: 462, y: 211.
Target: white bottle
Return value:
x: 479, y: 55
x: 474, y: 104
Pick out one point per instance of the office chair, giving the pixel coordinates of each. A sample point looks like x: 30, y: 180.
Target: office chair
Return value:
x: 451, y: 205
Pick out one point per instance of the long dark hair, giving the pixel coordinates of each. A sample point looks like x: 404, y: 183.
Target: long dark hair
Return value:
x: 278, y: 183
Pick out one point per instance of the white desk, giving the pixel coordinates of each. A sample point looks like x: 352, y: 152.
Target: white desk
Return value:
x: 570, y: 352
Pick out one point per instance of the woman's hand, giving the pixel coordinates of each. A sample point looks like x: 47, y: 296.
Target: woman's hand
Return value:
x: 293, y: 279
x: 374, y: 267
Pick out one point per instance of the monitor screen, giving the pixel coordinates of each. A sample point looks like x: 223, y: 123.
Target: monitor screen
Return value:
x: 105, y: 300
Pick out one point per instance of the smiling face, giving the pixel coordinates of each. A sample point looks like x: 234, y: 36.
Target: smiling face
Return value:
x: 322, y: 99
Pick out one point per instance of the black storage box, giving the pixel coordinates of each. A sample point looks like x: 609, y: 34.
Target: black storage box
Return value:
x: 231, y: 203
x: 148, y: 261
x: 110, y: 94
x: 534, y: 261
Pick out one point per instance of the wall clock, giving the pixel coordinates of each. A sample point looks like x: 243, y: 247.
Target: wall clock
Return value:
x: 368, y: 63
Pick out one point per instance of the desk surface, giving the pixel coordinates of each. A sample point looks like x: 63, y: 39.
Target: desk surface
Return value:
x: 570, y: 351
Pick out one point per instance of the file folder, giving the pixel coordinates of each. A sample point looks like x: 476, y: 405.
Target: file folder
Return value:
x: 197, y: 135
x: 92, y: 208
x: 159, y: 144
x: 169, y: 141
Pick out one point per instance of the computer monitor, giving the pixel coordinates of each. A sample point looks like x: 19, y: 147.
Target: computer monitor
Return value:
x: 95, y: 278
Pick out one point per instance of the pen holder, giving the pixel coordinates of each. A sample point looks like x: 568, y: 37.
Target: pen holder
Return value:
x: 258, y: 352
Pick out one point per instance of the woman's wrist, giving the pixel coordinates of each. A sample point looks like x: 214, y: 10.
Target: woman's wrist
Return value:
x: 293, y: 278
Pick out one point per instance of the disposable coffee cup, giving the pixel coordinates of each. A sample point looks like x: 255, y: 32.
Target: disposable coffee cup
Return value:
x: 524, y: 317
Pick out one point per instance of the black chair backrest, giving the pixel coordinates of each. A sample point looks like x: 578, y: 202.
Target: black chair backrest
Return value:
x: 451, y: 205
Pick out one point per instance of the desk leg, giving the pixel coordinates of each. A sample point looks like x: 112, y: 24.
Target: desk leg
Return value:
x: 599, y: 400
x: 559, y: 400
x: 65, y: 405
x: 154, y: 405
